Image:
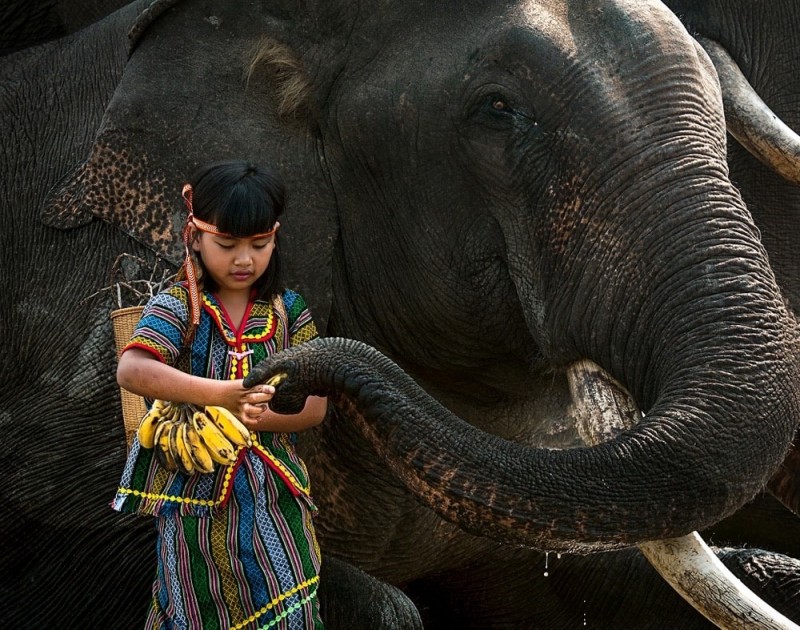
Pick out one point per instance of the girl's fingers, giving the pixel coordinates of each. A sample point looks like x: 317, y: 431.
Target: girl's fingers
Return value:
x: 259, y: 393
x: 252, y: 411
x: 257, y: 398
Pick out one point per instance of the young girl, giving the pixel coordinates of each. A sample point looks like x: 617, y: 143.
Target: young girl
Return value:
x: 236, y: 547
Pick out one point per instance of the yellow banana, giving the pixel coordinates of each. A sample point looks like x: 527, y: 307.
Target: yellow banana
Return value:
x: 219, y: 447
x: 199, y: 454
x: 174, y: 411
x: 181, y: 449
x: 162, y: 445
x: 231, y: 427
x: 147, y: 427
x: 276, y: 378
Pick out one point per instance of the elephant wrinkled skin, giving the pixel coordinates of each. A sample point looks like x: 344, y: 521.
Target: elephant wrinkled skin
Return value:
x: 24, y: 23
x: 483, y: 192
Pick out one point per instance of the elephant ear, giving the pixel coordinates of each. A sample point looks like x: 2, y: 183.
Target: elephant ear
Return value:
x: 72, y: 202
x: 117, y: 187
x: 199, y: 88
x: 65, y: 206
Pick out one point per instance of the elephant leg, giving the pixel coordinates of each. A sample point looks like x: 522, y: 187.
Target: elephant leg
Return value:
x: 351, y: 599
x: 113, y: 560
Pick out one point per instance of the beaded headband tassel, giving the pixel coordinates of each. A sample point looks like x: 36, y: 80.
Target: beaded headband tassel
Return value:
x: 188, y: 264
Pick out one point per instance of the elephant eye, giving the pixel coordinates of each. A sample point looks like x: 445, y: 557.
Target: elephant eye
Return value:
x: 501, y: 112
x: 499, y: 104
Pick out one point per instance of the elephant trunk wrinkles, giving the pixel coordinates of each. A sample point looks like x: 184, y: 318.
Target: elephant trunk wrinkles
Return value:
x: 728, y: 396
x: 581, y: 500
x: 710, y: 353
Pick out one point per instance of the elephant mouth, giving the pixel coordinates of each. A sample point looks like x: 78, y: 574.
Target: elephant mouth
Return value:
x: 602, y: 409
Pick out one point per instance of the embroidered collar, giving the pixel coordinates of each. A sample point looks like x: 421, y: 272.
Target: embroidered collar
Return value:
x: 259, y: 322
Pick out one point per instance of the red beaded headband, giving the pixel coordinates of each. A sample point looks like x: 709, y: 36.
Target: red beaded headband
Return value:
x: 188, y: 264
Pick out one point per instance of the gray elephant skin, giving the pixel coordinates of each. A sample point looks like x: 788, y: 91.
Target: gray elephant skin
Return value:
x: 24, y: 23
x: 484, y: 192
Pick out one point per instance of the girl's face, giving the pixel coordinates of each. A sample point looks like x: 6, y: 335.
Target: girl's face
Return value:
x: 234, y: 263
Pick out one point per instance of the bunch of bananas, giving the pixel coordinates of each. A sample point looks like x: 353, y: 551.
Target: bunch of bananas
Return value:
x: 191, y: 440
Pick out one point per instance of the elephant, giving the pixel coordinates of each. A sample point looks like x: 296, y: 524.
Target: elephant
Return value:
x: 481, y: 194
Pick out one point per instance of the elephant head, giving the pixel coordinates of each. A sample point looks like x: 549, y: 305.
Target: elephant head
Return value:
x: 546, y: 184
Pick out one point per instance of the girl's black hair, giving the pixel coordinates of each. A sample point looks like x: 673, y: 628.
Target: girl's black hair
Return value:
x: 241, y: 199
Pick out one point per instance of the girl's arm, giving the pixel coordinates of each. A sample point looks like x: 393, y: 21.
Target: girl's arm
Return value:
x: 140, y: 372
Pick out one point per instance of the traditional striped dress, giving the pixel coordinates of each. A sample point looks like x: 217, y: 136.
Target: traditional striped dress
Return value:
x: 236, y: 547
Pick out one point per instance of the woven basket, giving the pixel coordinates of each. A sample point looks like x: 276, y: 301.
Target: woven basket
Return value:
x: 124, y: 321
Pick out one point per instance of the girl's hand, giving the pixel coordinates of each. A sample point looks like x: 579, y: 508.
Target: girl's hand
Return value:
x: 140, y: 372
x: 247, y: 404
x: 254, y: 407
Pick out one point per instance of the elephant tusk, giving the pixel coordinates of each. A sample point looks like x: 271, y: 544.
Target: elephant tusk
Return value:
x: 694, y: 571
x: 686, y: 563
x: 750, y: 120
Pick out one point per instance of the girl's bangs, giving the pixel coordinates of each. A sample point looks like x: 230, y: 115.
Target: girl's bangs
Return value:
x: 243, y: 214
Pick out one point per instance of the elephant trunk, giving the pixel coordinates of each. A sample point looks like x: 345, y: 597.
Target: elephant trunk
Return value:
x: 703, y: 450
x: 750, y: 120
x: 687, y: 315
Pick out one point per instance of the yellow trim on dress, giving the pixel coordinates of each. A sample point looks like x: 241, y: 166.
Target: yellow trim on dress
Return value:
x: 290, y: 474
x: 226, y: 481
x: 280, y: 598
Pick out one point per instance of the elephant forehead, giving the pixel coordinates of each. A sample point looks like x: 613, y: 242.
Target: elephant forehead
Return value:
x: 536, y: 47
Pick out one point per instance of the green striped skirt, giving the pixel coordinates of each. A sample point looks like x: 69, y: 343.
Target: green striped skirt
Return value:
x: 253, y: 566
